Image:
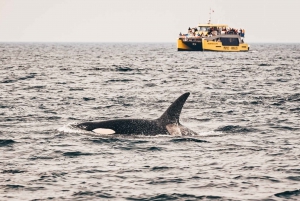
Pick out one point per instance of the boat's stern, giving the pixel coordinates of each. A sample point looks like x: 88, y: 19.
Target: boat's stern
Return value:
x: 189, y: 45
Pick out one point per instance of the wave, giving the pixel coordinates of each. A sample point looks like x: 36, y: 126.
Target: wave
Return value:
x: 288, y: 194
x: 178, y: 140
x: 174, y: 196
x: 76, y: 153
x: 6, y: 142
x: 235, y: 129
x: 98, y: 194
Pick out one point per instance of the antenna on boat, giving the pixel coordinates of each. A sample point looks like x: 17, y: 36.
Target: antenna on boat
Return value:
x: 210, y: 10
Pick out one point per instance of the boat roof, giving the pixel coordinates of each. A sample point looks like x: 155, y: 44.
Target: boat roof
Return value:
x: 212, y: 25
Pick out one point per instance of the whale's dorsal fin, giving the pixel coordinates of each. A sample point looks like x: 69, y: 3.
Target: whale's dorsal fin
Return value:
x: 171, y: 115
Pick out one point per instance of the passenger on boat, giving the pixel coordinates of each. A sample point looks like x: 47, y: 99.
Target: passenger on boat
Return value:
x: 209, y: 31
x: 232, y: 31
x: 219, y: 30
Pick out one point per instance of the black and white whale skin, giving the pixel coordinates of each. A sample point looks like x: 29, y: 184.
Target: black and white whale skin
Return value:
x: 168, y: 123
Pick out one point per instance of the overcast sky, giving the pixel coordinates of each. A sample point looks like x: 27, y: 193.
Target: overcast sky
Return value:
x: 143, y: 20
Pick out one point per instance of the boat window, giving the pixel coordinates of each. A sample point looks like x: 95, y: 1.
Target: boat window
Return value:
x: 230, y: 41
x: 203, y: 28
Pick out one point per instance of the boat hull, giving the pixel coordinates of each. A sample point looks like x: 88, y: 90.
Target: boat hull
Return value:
x: 220, y: 47
x: 189, y: 45
x: 205, y: 45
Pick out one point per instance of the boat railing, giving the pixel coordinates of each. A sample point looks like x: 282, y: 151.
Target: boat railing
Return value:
x: 211, y: 36
x: 191, y: 38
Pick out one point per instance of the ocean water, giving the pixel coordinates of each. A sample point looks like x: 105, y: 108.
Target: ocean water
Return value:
x: 244, y: 107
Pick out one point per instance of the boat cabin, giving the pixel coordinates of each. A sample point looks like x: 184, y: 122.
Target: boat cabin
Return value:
x: 215, y: 29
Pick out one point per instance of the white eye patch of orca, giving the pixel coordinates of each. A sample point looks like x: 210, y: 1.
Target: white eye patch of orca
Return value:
x: 104, y: 131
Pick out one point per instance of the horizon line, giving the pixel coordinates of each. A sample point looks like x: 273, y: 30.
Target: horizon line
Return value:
x: 156, y: 42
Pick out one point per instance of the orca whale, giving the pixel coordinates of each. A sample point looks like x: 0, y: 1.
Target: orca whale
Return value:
x: 168, y: 123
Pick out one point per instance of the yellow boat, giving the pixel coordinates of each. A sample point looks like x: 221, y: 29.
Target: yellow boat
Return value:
x: 212, y: 37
